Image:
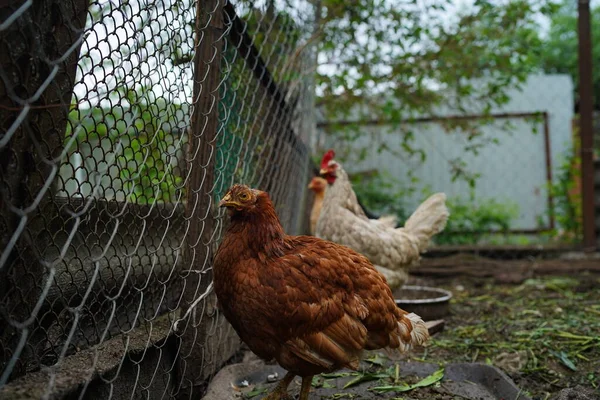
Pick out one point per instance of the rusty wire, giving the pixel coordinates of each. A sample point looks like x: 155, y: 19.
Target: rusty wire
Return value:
x: 107, y: 218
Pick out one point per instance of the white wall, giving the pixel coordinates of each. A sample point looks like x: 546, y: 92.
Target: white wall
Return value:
x: 514, y: 169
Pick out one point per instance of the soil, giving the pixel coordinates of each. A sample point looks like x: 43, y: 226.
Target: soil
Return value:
x: 542, y: 329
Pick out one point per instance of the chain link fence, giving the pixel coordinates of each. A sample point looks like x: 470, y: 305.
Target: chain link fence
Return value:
x: 122, y: 124
x: 511, y: 174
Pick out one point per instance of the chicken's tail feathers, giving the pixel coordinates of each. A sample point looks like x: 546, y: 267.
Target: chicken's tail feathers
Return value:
x: 428, y: 219
x: 419, y: 334
x: 413, y: 332
x: 389, y: 221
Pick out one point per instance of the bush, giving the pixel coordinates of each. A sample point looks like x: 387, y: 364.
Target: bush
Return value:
x: 471, y: 220
x: 566, y: 194
x: 379, y: 193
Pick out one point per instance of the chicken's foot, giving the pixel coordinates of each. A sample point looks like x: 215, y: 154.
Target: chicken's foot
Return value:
x: 280, y: 392
x: 305, y: 389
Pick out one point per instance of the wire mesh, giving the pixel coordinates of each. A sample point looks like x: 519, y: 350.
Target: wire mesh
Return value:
x: 511, y: 173
x: 123, y: 123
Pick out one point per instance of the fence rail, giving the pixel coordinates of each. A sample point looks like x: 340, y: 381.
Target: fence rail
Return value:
x: 123, y: 123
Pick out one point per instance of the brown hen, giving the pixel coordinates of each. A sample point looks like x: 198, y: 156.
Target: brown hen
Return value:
x: 311, y: 304
x: 318, y: 186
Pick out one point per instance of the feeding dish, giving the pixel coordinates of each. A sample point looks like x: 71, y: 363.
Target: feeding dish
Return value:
x: 427, y: 302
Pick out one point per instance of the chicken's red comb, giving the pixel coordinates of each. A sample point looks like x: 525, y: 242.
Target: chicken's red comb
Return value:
x: 326, y: 158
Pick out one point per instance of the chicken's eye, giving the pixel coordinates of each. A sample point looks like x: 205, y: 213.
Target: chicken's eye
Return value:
x: 244, y: 196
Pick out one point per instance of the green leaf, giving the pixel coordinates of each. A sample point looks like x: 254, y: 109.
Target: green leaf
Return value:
x: 365, y: 378
x: 376, y: 360
x: 318, y: 381
x: 328, y: 385
x: 335, y: 375
x: 427, y: 381
x: 564, y: 358
x: 255, y: 392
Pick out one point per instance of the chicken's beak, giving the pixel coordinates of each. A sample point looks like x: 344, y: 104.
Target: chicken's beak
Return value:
x: 311, y: 185
x: 228, y: 202
x: 323, y: 171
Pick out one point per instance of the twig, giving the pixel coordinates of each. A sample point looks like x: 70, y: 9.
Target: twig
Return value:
x: 193, y: 305
x: 314, y: 37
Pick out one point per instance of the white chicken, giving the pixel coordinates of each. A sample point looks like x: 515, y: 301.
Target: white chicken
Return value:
x: 319, y: 185
x: 343, y: 221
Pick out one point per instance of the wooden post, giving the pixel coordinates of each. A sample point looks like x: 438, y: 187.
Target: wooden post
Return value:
x: 548, y: 157
x: 586, y: 106
x: 39, y: 51
x: 201, y: 350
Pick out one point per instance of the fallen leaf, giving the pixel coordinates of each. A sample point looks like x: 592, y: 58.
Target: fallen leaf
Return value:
x: 255, y: 393
x: 376, y: 360
x: 365, y: 378
x: 564, y: 358
x: 427, y: 381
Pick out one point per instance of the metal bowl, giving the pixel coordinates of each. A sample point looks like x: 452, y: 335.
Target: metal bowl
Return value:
x: 428, y: 302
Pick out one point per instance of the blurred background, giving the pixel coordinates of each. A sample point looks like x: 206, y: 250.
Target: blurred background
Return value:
x: 482, y: 104
x: 124, y: 122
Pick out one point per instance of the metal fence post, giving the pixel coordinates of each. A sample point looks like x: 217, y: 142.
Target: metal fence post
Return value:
x: 586, y: 104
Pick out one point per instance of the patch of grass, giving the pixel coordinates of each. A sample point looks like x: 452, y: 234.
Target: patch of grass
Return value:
x: 545, y: 333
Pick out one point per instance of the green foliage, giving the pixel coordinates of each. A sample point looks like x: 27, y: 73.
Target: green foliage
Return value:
x: 470, y: 219
x: 378, y: 193
x: 147, y: 177
x: 559, y: 54
x: 567, y: 200
x: 134, y: 148
x: 389, y: 61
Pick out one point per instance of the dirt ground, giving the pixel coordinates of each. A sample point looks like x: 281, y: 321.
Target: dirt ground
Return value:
x: 538, y: 321
x: 544, y: 333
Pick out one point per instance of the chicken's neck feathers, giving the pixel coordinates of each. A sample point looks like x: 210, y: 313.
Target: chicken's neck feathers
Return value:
x: 337, y: 193
x: 259, y: 232
x: 341, y: 194
x: 316, y: 210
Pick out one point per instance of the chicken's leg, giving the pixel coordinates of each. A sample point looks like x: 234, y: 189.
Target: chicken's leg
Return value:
x: 305, y: 390
x: 280, y: 392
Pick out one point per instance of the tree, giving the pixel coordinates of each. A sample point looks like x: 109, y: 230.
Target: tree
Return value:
x: 134, y: 109
x: 411, y: 56
x: 395, y: 60
x: 560, y: 50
